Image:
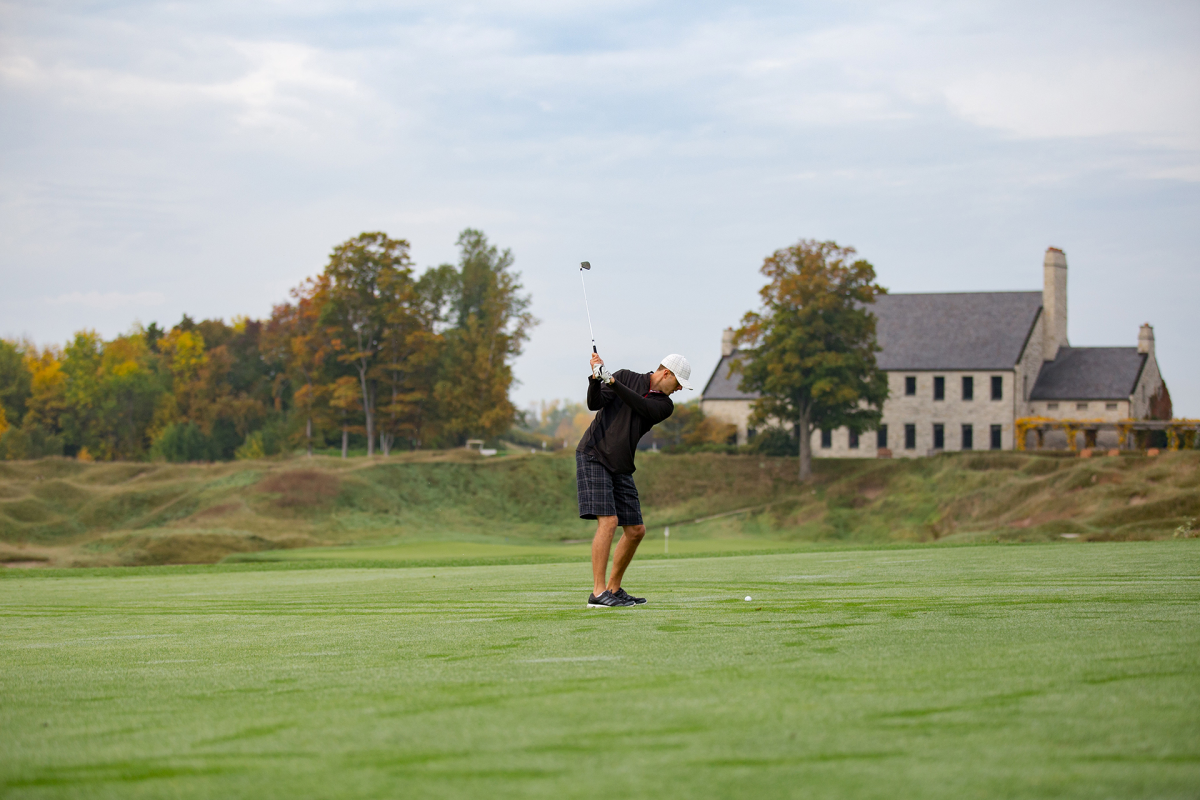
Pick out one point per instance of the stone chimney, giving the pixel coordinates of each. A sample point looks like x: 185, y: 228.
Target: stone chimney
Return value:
x: 1146, y: 339
x: 727, y: 342
x: 1054, y: 302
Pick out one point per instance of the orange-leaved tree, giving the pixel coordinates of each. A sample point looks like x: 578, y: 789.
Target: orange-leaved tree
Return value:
x: 407, y: 365
x: 295, y: 337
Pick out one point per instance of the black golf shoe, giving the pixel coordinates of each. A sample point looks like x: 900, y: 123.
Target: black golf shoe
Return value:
x: 624, y: 595
x: 609, y: 600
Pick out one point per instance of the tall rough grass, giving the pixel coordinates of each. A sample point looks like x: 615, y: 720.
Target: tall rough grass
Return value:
x: 66, y: 512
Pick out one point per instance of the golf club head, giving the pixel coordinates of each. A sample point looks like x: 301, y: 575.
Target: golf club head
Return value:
x: 585, y: 265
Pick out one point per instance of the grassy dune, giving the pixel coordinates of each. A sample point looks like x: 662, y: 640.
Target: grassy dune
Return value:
x: 60, y: 512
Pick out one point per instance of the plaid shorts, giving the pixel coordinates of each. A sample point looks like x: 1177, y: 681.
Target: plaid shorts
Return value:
x: 603, y: 494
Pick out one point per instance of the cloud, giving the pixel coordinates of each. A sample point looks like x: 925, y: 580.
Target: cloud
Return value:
x: 284, y: 83
x: 276, y: 87
x: 109, y: 300
x: 1152, y: 99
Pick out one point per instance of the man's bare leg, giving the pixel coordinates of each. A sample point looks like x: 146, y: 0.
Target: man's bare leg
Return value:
x: 601, y: 546
x: 625, y: 550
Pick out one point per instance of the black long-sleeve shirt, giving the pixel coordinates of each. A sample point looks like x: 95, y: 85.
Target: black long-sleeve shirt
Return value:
x: 628, y: 408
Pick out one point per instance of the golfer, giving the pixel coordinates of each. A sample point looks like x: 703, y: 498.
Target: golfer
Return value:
x: 629, y: 404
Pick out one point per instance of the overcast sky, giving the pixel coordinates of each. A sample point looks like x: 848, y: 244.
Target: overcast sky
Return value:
x: 162, y: 158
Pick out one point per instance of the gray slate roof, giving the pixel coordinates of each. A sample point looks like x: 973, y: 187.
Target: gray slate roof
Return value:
x: 956, y: 330
x: 1089, y: 373
x: 953, y: 330
x: 723, y: 386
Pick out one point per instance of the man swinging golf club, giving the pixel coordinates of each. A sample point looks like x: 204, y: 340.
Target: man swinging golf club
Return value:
x: 629, y: 404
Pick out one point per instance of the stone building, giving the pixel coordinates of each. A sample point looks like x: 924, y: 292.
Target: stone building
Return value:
x: 962, y: 367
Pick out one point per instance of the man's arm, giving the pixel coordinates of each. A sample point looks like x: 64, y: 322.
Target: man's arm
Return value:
x: 598, y: 395
x: 653, y: 411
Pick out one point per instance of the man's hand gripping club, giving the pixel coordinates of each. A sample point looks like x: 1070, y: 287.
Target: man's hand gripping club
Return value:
x: 598, y: 370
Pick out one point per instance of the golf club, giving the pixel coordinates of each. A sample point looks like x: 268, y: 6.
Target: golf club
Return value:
x: 599, y: 371
x: 582, y: 266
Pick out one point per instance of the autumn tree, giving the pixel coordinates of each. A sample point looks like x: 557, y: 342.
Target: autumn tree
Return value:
x: 81, y: 359
x: 412, y: 347
x: 346, y: 401
x: 810, y: 351
x: 130, y: 385
x: 235, y: 380
x: 490, y: 322
x: 222, y: 384
x: 31, y: 400
x: 15, y: 381
x: 295, y: 337
x: 104, y: 395
x: 48, y: 383
x: 361, y: 274
x: 186, y: 355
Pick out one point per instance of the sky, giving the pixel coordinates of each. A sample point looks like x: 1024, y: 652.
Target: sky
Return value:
x: 158, y: 158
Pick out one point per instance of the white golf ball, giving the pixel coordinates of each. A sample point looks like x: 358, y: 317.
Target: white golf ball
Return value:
x: 748, y: 598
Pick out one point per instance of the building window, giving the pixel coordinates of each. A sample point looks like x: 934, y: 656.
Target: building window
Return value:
x: 968, y: 437
x: 853, y: 440
x: 1081, y: 406
x: 910, y: 437
x: 996, y: 437
x: 881, y: 437
x: 939, y: 388
x: 1052, y: 406
x: 751, y: 433
x: 1110, y: 406
x: 968, y: 388
x: 997, y: 387
x: 826, y: 439
x: 939, y: 436
x: 910, y: 385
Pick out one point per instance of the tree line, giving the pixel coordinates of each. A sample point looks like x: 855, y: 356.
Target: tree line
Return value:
x: 367, y: 352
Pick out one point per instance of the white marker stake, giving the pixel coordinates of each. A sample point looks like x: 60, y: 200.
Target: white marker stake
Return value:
x: 666, y: 539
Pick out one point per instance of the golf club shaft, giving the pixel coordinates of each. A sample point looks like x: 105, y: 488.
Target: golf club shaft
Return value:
x: 589, y: 310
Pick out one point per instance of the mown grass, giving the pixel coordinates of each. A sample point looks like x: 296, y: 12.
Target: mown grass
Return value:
x: 986, y: 671
x: 62, y: 512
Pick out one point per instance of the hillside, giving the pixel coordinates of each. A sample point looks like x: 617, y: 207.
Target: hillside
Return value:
x: 63, y: 512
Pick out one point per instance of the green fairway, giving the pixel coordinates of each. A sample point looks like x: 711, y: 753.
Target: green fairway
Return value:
x: 1062, y: 671
x: 484, y: 552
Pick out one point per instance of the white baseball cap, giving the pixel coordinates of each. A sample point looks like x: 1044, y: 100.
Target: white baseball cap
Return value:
x: 680, y: 367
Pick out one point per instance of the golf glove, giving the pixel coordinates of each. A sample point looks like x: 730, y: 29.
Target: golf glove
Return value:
x: 604, y: 375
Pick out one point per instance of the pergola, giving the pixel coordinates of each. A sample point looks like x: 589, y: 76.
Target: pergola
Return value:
x: 1175, y: 430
